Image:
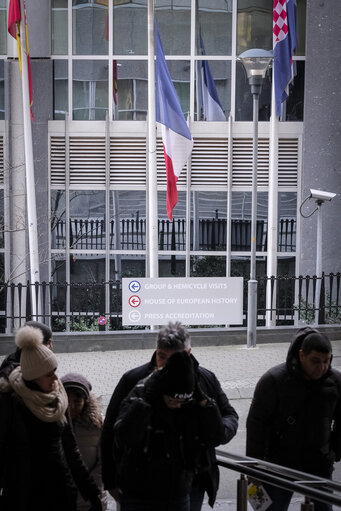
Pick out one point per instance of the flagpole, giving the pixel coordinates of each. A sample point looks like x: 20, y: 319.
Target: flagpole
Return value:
x: 152, y: 168
x: 30, y: 182
x: 272, y: 212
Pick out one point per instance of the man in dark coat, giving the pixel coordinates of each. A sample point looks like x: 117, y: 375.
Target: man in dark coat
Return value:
x: 162, y: 430
x: 295, y: 415
x: 172, y: 338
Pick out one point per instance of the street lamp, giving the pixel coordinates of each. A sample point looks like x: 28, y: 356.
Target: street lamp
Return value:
x: 320, y: 197
x: 256, y: 63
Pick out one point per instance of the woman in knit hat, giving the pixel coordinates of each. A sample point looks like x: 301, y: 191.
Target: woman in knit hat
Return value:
x: 39, y: 459
x: 85, y: 411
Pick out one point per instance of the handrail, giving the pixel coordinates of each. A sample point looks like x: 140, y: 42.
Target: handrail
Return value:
x: 283, y: 477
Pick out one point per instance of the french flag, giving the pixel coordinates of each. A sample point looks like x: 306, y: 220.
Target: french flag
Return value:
x: 284, y: 46
x: 212, y: 108
x: 176, y: 137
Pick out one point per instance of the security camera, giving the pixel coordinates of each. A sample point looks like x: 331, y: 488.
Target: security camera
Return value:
x: 321, y: 196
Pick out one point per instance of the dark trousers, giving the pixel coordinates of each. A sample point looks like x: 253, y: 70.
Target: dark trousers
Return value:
x: 180, y: 504
x: 281, y: 499
x: 196, y: 497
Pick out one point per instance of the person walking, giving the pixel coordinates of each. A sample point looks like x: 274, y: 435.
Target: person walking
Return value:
x: 173, y: 338
x: 295, y: 415
x: 162, y: 429
x: 39, y: 459
x: 87, y: 420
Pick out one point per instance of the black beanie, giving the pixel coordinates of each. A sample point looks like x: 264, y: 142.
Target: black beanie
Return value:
x: 177, y: 378
x: 77, y: 382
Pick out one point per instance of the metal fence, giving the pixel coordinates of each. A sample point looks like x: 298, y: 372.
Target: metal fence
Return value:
x: 206, y: 234
x: 78, y: 306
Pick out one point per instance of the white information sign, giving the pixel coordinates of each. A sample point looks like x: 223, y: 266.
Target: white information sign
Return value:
x: 192, y: 301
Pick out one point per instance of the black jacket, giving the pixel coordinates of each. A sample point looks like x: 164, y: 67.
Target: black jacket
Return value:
x: 209, y: 479
x: 39, y: 461
x: 159, y: 449
x: 296, y: 422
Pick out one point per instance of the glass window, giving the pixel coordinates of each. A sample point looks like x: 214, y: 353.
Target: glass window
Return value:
x: 130, y: 27
x: 58, y: 234
x: 172, y: 235
x: 244, y: 107
x: 212, y: 90
x: 90, y: 89
x: 2, y: 220
x: 127, y: 220
x: 127, y: 265
x: 286, y: 267
x: 60, y: 89
x: 3, y: 27
x: 179, y: 71
x: 208, y: 220
x: 208, y: 266
x: 172, y: 266
x: 254, y: 25
x: 90, y: 27
x: 287, y: 215
x: 87, y: 219
x: 300, y: 27
x: 175, y: 14
x: 130, y: 100
x: 292, y: 109
x: 214, y: 27
x: 241, y: 221
x: 59, y: 27
x: 2, y: 90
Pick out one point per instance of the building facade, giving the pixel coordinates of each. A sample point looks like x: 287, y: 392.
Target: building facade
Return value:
x: 90, y: 106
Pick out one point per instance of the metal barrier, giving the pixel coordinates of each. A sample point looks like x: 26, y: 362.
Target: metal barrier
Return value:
x: 76, y: 306
x: 312, y: 487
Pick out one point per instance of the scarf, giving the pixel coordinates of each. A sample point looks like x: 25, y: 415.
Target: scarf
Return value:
x: 47, y: 407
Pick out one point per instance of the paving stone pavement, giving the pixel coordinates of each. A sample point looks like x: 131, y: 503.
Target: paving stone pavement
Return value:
x: 238, y: 369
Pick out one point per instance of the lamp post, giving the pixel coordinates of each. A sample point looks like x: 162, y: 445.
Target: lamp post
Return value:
x: 256, y: 63
x: 320, y: 197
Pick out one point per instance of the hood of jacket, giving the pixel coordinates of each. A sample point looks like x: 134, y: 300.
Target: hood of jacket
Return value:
x: 293, y: 361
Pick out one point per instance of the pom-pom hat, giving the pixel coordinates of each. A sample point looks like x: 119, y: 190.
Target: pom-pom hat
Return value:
x: 35, y: 358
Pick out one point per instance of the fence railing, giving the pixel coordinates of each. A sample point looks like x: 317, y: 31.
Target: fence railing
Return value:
x: 206, y: 234
x: 312, y: 487
x: 78, y: 306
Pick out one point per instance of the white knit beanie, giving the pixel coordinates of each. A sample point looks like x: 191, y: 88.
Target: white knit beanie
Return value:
x: 35, y: 359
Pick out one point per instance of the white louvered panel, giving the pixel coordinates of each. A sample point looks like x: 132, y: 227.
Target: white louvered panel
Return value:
x: 161, y: 167
x: 57, y: 160
x: 87, y: 160
x: 209, y: 162
x: 242, y: 162
x: 128, y: 161
x: 1, y: 160
x: 287, y: 161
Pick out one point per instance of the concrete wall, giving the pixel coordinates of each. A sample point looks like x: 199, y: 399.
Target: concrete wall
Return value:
x: 322, y: 133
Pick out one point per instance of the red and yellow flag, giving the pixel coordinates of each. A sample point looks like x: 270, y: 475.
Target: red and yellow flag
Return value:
x: 14, y: 19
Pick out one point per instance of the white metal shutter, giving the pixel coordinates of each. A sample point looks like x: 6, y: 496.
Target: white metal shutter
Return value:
x: 1, y: 160
x: 87, y: 161
x: 209, y: 162
x: 128, y: 161
x: 57, y: 161
x: 242, y: 162
x: 287, y: 161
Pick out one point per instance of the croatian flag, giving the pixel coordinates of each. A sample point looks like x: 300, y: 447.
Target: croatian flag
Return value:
x: 176, y: 137
x: 284, y: 46
x: 212, y: 109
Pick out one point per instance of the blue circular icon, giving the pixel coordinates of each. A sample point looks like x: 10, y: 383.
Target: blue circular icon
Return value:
x: 134, y: 286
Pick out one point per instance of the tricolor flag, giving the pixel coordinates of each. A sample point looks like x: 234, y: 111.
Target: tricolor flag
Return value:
x: 176, y: 137
x: 14, y: 19
x: 212, y: 108
x: 284, y: 46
